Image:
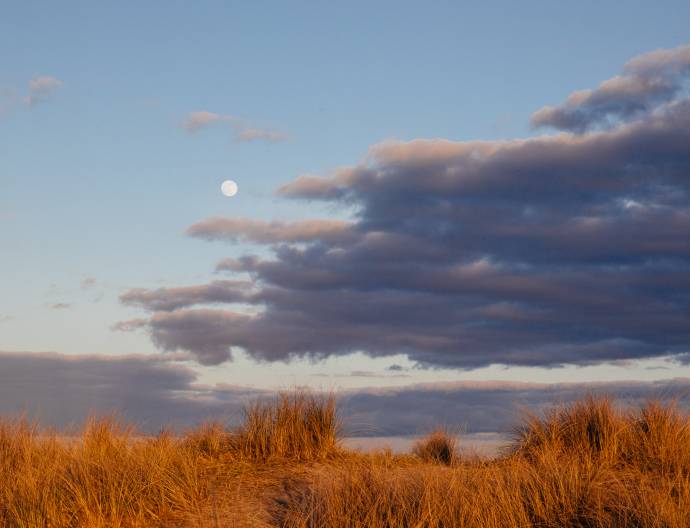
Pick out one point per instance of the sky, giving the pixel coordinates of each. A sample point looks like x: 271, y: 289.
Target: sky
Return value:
x: 437, y: 202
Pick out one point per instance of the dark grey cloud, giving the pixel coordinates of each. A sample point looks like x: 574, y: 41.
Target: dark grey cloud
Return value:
x: 484, y: 406
x: 566, y: 249
x: 207, y: 334
x: 647, y: 81
x: 60, y: 390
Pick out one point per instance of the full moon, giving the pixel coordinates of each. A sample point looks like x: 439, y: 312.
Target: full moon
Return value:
x: 229, y: 188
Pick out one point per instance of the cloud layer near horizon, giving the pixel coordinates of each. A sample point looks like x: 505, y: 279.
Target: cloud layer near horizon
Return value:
x: 62, y: 391
x: 563, y: 249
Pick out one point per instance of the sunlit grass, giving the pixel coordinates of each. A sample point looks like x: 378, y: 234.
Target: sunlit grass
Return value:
x: 589, y: 464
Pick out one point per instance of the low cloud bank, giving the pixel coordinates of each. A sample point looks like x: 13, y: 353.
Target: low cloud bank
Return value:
x: 478, y: 407
x: 62, y: 390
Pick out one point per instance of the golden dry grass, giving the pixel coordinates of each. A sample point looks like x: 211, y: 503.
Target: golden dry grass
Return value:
x: 589, y: 464
x: 584, y: 465
x: 295, y: 425
x: 439, y: 446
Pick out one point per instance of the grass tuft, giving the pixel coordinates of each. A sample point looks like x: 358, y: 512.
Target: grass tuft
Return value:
x: 296, y: 425
x: 438, y: 447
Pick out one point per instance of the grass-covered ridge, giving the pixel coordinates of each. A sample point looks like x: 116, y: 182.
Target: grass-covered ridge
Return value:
x: 589, y: 464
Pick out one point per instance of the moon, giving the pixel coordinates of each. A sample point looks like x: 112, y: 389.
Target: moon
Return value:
x: 228, y: 188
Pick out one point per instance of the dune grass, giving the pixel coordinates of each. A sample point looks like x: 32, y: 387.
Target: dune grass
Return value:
x: 295, y: 425
x: 589, y: 464
x: 439, y: 446
x: 104, y: 478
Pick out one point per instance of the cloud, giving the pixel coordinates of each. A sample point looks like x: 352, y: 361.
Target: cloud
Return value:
x: 372, y: 374
x: 61, y: 390
x: 88, y: 282
x: 261, y: 134
x: 40, y: 89
x: 663, y: 62
x: 243, y: 229
x: 196, y: 121
x: 552, y: 250
x: 647, y: 81
x: 203, y: 332
x: 44, y: 84
x: 91, y: 284
x: 129, y: 325
x: 167, y: 299
x: 482, y: 406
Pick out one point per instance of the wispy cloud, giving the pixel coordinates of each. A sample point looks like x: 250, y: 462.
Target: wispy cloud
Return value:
x: 196, y: 121
x: 88, y: 283
x: 129, y: 325
x: 40, y: 89
x: 261, y: 134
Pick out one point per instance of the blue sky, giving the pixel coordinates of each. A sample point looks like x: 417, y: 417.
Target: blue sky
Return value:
x: 99, y: 181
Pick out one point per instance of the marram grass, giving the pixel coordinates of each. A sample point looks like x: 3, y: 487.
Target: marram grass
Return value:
x: 589, y: 464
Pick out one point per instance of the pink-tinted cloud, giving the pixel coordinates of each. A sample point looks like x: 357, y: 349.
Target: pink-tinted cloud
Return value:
x: 235, y: 229
x: 647, y: 81
x: 40, y: 89
x: 196, y: 121
x: 261, y: 134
